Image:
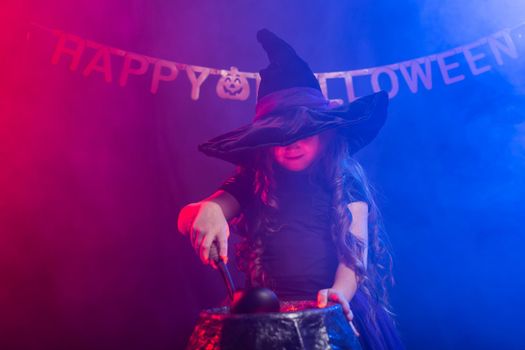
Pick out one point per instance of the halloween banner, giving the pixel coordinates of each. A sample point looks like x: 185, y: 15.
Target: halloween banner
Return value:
x: 448, y: 67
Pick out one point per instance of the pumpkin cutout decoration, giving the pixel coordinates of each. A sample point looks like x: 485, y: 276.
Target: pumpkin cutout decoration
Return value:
x: 233, y: 85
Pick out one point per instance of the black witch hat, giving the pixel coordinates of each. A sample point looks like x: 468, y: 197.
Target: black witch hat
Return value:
x: 290, y: 107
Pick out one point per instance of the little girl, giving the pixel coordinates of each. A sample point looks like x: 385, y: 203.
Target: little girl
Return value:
x: 302, y: 204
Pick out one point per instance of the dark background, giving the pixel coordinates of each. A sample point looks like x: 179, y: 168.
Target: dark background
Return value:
x: 92, y: 175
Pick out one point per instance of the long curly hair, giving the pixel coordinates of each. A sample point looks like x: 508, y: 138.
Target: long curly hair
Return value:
x: 343, y: 176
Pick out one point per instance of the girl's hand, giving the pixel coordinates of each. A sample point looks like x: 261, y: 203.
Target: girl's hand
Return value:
x: 337, y: 296
x: 205, y: 223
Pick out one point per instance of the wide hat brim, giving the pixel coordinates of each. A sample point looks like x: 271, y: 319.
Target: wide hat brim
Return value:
x: 358, y: 122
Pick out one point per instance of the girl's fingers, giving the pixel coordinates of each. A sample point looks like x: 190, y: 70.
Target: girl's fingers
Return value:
x: 213, y: 264
x: 322, y: 298
x: 213, y: 255
x: 339, y: 298
x: 223, y: 248
x: 328, y: 294
x: 197, y: 244
x: 356, y: 332
x: 202, y: 243
x: 350, y: 315
x: 205, y: 248
x: 194, y: 238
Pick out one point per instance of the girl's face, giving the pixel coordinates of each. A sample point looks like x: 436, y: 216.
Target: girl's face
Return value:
x: 298, y: 155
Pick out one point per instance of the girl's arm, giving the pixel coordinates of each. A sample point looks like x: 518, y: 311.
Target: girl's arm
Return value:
x: 345, y: 282
x: 345, y: 278
x: 229, y: 205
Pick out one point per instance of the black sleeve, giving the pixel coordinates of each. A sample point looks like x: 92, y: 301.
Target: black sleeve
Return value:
x: 240, y: 185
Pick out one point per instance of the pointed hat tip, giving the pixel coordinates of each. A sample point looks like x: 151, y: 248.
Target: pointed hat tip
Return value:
x: 264, y: 35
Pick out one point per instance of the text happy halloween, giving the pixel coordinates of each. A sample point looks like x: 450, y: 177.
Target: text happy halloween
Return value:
x: 234, y: 84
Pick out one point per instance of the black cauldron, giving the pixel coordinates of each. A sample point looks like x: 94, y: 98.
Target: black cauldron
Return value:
x: 300, y: 325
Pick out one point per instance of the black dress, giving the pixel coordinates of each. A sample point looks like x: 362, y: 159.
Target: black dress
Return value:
x: 301, y: 259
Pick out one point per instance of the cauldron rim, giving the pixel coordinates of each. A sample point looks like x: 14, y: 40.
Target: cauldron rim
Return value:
x: 223, y: 312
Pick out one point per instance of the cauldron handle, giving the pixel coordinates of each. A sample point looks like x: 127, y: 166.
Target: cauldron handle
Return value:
x: 225, y: 273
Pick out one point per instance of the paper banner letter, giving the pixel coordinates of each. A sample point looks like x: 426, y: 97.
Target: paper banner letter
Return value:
x: 76, y: 52
x: 416, y: 74
x: 349, y: 83
x: 322, y: 84
x: 102, y: 55
x: 446, y: 68
x: 195, y: 81
x: 471, y: 59
x: 509, y: 48
x: 158, y: 76
x: 257, y: 83
x: 232, y: 85
x: 127, y: 69
x: 394, y: 89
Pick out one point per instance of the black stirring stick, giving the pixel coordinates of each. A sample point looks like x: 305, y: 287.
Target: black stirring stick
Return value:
x: 225, y: 273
